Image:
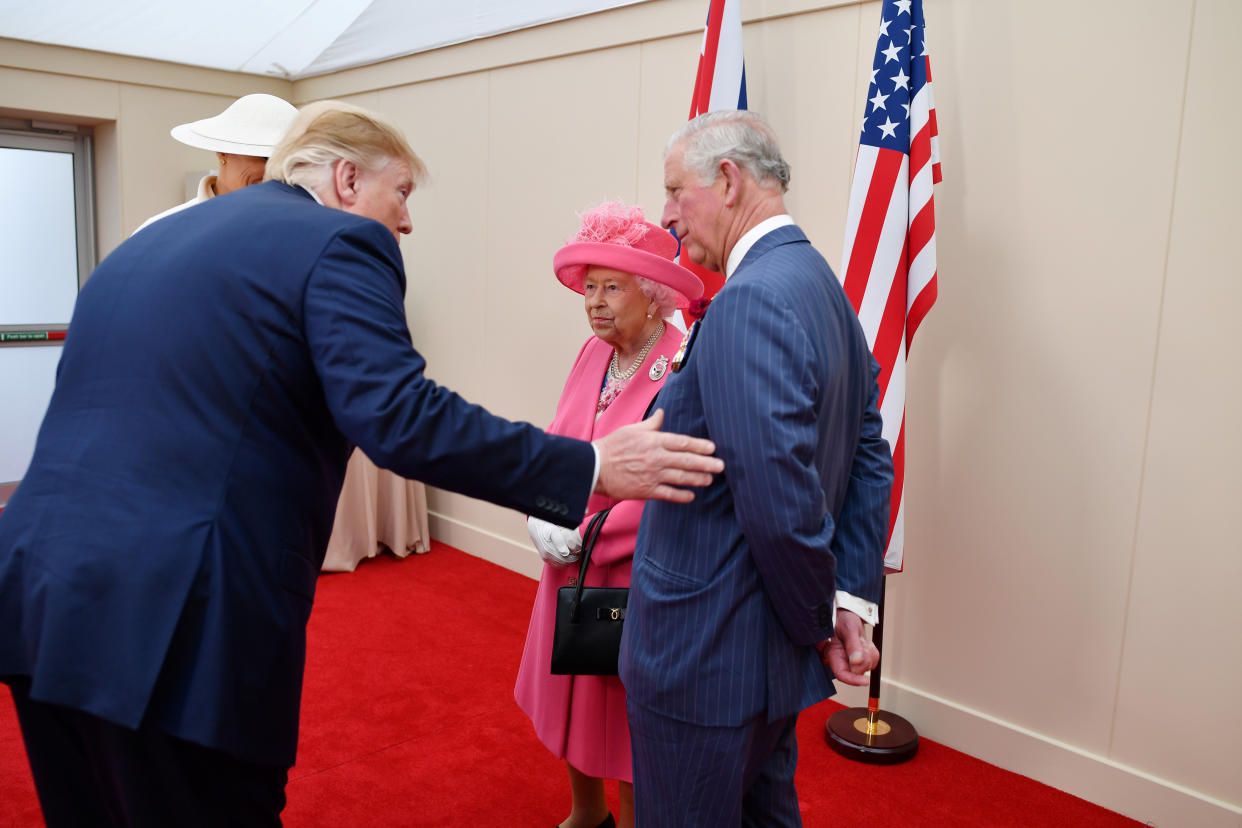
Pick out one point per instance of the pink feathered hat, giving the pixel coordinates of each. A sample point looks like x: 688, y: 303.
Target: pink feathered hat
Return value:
x: 618, y: 237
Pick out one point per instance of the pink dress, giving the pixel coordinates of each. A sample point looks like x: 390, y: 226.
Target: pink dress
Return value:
x: 582, y: 718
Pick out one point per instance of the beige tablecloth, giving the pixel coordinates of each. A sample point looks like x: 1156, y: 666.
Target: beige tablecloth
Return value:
x: 377, y: 510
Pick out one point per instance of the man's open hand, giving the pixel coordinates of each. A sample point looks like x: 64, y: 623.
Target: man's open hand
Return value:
x: 640, y: 462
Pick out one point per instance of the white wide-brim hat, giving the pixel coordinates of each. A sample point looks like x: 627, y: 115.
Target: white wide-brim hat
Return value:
x: 252, y: 125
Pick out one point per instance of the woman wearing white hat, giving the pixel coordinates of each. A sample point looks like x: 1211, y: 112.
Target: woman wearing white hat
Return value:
x: 242, y: 138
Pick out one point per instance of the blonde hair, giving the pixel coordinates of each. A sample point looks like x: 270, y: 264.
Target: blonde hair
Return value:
x: 325, y: 132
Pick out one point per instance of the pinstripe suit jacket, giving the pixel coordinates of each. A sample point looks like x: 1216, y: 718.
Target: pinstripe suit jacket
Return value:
x: 730, y: 592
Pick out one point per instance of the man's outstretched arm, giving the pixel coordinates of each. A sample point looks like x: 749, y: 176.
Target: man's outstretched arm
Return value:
x: 640, y: 462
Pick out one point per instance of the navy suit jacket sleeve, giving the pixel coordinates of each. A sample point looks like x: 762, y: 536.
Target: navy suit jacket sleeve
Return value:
x: 862, y: 525
x: 761, y: 408
x: 374, y: 385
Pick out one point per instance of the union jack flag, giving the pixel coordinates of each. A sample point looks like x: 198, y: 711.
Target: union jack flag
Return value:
x: 889, y: 265
x: 720, y: 83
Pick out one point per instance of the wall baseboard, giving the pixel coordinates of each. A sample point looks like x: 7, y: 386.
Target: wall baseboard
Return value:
x: 1126, y: 790
x: 518, y: 557
x: 1135, y: 793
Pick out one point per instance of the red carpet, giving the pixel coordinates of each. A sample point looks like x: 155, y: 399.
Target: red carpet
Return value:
x: 408, y: 719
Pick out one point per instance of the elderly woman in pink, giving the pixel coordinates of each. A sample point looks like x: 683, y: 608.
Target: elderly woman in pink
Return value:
x: 623, y: 266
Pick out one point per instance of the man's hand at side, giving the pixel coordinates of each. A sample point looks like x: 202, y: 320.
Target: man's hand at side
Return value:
x: 639, y: 462
x: 848, y: 653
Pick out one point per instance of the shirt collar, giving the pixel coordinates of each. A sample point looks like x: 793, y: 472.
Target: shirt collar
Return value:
x: 313, y: 194
x: 754, y: 234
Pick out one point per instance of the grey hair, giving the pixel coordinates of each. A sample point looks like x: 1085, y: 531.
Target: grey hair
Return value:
x: 738, y: 135
x: 661, y: 294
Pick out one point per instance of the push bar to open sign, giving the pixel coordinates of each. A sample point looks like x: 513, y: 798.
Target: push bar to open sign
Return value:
x: 31, y: 336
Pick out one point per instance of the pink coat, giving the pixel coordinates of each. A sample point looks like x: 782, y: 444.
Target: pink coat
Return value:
x: 582, y: 718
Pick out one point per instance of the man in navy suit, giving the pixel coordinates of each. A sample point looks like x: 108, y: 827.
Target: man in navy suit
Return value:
x: 730, y: 630
x: 159, y: 559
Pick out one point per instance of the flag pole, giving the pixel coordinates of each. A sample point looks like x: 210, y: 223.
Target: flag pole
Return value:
x: 869, y: 734
x: 897, y: 164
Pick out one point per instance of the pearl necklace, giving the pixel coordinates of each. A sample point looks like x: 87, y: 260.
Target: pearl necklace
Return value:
x: 614, y: 366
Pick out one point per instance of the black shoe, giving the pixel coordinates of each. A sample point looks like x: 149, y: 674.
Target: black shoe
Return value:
x: 608, y: 822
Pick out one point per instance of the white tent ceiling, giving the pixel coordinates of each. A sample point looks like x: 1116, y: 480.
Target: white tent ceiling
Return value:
x: 288, y: 38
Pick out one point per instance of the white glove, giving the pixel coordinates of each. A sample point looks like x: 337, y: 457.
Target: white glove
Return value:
x: 556, y: 544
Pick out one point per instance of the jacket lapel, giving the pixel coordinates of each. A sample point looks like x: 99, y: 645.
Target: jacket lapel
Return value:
x: 788, y: 234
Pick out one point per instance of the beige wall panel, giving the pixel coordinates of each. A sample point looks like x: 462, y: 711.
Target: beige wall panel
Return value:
x: 84, y: 64
x: 86, y: 101
x: 615, y: 27
x: 563, y: 138
x: 663, y: 107
x: 642, y: 22
x: 367, y: 100
x: 1181, y: 677
x: 445, y: 259
x: 503, y: 197
x: 108, y: 230
x: 1031, y: 377
x: 481, y: 516
x: 446, y: 122
x: 801, y: 76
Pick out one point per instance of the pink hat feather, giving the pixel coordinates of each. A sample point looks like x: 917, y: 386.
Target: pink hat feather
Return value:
x: 615, y: 236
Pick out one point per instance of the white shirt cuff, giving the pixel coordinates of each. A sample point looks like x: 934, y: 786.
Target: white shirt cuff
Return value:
x: 594, y: 474
x: 868, y: 611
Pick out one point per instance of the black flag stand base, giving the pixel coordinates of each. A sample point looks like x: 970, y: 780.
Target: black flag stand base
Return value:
x: 869, y: 734
x: 876, y: 737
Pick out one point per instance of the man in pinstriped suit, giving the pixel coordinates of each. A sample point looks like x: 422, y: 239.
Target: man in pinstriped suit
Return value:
x: 746, y: 602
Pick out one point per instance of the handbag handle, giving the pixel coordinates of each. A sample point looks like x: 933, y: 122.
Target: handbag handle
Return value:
x: 594, y: 527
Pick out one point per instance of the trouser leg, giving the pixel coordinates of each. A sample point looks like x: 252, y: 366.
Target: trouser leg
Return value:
x: 92, y: 772
x: 770, y: 799
x: 70, y: 794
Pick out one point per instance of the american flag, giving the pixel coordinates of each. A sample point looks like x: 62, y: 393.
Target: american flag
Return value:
x: 889, y: 265
x: 720, y: 83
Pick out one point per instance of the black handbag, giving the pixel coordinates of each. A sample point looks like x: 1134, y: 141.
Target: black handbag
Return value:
x: 587, y: 636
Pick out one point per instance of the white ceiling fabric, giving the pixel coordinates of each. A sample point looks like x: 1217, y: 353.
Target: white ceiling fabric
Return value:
x: 287, y: 38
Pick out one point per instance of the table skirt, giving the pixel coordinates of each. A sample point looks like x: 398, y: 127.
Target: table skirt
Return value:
x: 377, y: 510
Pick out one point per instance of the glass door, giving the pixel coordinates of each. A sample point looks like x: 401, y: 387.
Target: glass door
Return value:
x: 47, y: 249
